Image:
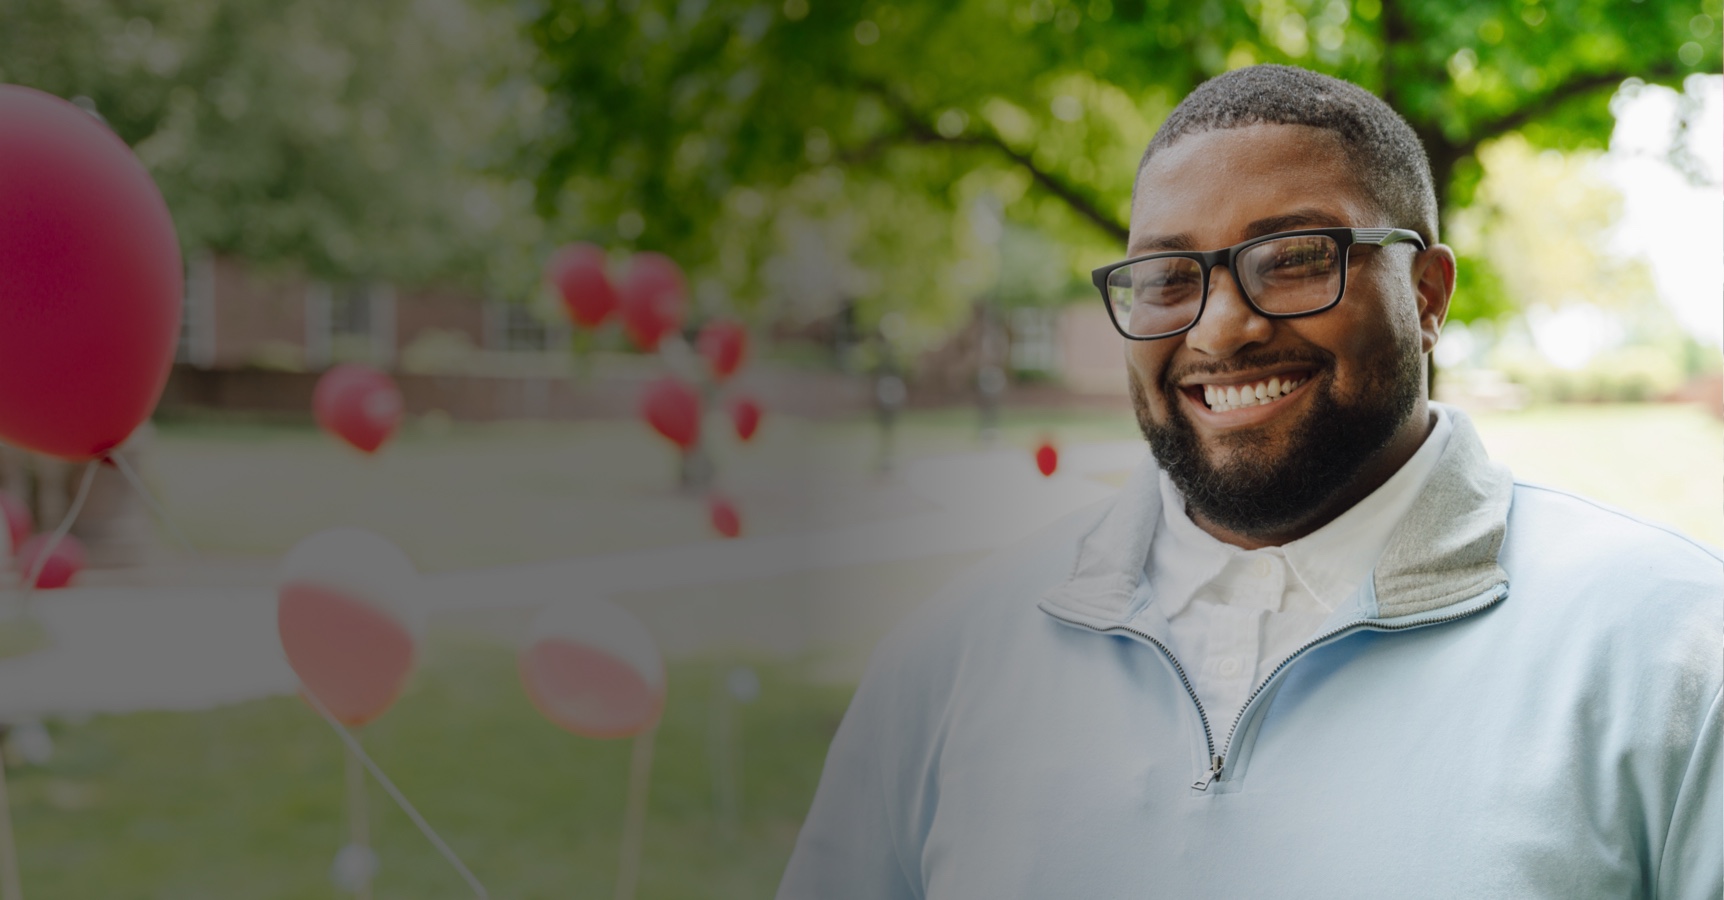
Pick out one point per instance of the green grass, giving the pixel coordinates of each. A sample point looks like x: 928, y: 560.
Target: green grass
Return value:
x: 1664, y: 463
x: 247, y: 801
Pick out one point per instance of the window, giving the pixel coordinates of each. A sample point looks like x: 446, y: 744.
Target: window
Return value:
x: 1035, y: 340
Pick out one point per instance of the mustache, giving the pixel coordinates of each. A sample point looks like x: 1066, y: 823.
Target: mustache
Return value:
x: 1313, y: 357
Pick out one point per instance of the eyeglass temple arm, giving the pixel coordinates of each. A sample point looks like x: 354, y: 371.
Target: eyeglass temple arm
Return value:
x: 1383, y: 237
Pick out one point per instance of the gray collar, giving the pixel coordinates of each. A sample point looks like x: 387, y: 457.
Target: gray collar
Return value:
x: 1443, y: 552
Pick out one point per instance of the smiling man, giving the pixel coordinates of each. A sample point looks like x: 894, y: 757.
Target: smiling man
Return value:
x: 1320, y: 645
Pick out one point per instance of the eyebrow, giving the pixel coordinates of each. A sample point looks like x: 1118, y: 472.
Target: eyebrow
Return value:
x: 1297, y: 219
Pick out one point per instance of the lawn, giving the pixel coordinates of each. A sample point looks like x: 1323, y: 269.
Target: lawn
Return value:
x: 1661, y: 462
x: 508, y: 493
x: 245, y: 801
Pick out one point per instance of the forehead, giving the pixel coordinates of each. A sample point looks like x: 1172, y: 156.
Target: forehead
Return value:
x: 1208, y: 189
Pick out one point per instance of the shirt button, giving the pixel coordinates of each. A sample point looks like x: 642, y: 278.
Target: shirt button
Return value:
x: 1262, y: 567
x: 1229, y: 667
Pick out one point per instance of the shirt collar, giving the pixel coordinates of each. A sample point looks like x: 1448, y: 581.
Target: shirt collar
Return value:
x: 1182, y: 557
x: 1442, y: 553
x: 1335, y: 559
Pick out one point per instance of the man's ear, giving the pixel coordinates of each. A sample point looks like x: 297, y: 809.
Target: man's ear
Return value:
x: 1434, y: 284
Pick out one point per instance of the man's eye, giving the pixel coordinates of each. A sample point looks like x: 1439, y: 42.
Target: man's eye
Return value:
x: 1170, y: 280
x: 1314, y: 261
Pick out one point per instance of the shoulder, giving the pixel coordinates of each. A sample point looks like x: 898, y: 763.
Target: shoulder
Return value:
x: 1598, y: 576
x: 1562, y: 528
x: 988, y: 611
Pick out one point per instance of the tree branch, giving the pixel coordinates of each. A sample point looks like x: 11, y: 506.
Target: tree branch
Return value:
x: 1568, y: 90
x: 917, y: 130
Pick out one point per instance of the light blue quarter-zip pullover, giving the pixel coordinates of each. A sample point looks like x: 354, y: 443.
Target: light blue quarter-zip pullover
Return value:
x: 1521, y: 702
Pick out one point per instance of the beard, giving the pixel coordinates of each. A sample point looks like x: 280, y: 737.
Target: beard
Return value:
x: 1255, y: 490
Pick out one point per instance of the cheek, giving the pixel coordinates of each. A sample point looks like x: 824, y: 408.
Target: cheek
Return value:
x: 1146, y: 365
x: 1365, y: 346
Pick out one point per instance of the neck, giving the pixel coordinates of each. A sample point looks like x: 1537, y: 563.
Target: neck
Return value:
x: 1381, y: 467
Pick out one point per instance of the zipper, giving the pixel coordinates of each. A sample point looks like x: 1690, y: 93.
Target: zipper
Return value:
x: 1218, y: 762
x: 1361, y: 624
x: 1213, y: 775
x: 1208, y: 736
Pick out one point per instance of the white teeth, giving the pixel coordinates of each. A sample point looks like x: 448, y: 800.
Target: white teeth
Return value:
x: 1222, y: 399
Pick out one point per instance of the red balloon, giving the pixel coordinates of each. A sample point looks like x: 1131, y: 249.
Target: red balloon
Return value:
x: 724, y: 516
x: 1047, y: 458
x: 358, y: 404
x: 745, y: 415
x: 724, y: 344
x: 578, y: 271
x: 653, y: 295
x: 18, y: 520
x: 593, y: 669
x: 349, y: 621
x: 673, y: 410
x: 89, y: 281
x: 66, y: 560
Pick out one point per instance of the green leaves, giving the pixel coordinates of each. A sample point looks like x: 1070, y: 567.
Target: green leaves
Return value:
x: 461, y: 139
x: 663, y: 110
x: 355, y: 140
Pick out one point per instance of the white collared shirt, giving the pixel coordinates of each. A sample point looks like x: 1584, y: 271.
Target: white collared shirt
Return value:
x: 1235, y: 614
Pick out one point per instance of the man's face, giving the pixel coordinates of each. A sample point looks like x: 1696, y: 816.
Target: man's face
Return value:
x: 1278, y: 469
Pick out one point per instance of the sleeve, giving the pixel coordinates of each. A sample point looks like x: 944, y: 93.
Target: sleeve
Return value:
x: 849, y: 844
x: 1692, y: 864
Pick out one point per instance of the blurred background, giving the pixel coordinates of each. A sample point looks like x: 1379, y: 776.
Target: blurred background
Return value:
x: 899, y: 203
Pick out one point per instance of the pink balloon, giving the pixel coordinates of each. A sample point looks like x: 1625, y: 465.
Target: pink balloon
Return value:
x: 578, y: 271
x: 592, y: 669
x: 673, y: 410
x: 64, y: 562
x: 725, y: 519
x: 653, y: 295
x: 358, y: 404
x: 18, y: 520
x: 724, y: 344
x: 89, y: 281
x: 347, y: 616
x: 745, y: 415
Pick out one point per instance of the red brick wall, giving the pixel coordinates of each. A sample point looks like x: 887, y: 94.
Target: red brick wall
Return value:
x: 450, y: 310
x: 253, y: 306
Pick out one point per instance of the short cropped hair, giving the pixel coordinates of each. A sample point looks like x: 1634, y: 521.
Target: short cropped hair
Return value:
x: 1391, y: 162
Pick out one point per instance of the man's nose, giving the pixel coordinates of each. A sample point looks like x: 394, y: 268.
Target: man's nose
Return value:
x: 1228, y: 323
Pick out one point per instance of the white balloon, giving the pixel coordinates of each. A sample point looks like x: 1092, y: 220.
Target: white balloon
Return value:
x: 743, y: 684
x: 353, y: 869
x: 602, y: 625
x: 32, y: 743
x: 364, y: 566
x: 570, y: 666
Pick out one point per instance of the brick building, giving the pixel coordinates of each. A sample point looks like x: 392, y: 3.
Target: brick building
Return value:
x: 240, y: 316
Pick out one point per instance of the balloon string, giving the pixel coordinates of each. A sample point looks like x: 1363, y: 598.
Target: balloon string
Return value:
x: 58, y: 535
x: 396, y: 795
x: 634, y: 817
x: 358, y: 826
x: 10, y: 887
x: 155, y: 505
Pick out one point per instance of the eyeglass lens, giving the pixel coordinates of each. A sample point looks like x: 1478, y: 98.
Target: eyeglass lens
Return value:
x: 1294, y: 274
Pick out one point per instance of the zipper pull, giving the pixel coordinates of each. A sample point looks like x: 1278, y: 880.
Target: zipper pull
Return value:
x: 1212, y: 776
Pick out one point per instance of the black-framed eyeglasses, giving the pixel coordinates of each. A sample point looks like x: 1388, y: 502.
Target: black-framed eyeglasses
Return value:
x: 1282, y: 276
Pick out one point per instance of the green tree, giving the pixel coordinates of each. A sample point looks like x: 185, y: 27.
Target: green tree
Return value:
x: 662, y: 113
x: 355, y: 140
